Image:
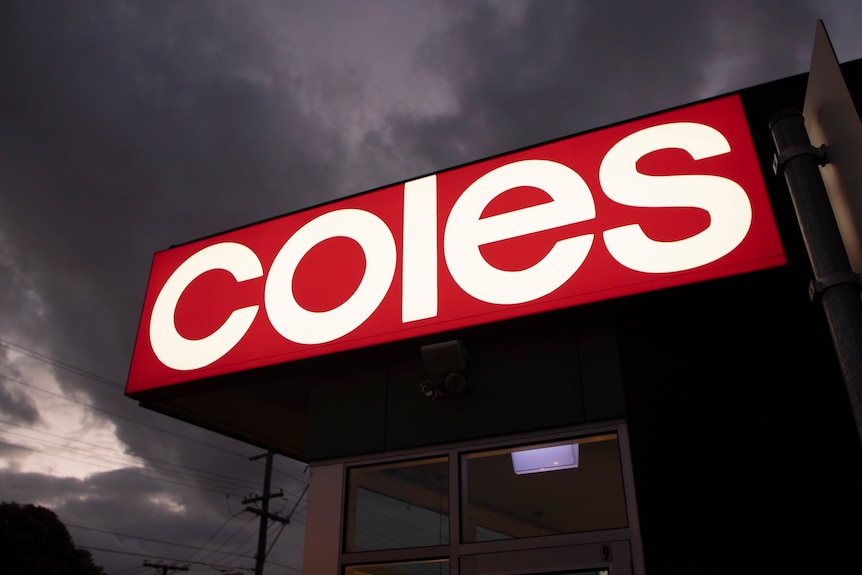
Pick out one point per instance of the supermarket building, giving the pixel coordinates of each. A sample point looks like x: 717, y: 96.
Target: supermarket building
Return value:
x: 594, y: 355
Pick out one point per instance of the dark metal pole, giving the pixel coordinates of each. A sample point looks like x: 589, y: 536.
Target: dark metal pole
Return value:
x: 264, y: 518
x: 834, y: 280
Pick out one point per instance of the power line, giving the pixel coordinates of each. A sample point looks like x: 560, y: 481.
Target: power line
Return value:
x: 133, y: 554
x: 217, y: 531
x: 212, y: 482
x: 95, y: 377
x: 203, y: 483
x: 99, y: 379
x: 115, y: 414
x: 151, y: 540
x: 57, y: 363
x: 235, y: 482
x: 235, y: 550
x: 126, y: 471
x: 287, y: 474
x: 89, y: 405
x: 166, y: 568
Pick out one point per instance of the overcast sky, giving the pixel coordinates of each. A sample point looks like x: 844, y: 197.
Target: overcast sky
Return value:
x: 129, y: 126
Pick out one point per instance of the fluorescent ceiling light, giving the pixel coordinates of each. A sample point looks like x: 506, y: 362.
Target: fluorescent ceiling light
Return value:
x: 545, y: 459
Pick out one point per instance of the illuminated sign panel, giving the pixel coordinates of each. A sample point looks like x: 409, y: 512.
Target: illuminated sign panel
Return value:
x: 662, y: 201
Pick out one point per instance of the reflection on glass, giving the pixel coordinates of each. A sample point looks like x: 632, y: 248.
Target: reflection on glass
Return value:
x: 542, y: 459
x: 398, y: 505
x: 436, y: 567
x: 588, y: 495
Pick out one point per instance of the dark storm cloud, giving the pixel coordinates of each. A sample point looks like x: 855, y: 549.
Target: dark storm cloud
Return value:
x: 554, y: 68
x: 131, y: 126
x: 124, y: 128
x: 128, y: 126
x: 16, y: 407
x: 17, y: 291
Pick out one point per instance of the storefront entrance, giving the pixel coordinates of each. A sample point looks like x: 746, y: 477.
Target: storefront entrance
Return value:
x: 552, y: 503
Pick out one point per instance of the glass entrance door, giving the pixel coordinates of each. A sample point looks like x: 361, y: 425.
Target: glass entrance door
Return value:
x: 555, y: 504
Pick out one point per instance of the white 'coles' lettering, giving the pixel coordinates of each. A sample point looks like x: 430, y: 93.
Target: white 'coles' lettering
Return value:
x: 465, y: 232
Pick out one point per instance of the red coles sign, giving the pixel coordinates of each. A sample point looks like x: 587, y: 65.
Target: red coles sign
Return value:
x: 662, y: 201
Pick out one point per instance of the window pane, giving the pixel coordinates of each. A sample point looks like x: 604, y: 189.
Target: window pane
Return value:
x: 398, y: 505
x: 548, y: 489
x: 440, y: 567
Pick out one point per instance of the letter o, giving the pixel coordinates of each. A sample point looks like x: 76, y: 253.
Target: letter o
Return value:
x: 178, y: 352
x: 300, y: 325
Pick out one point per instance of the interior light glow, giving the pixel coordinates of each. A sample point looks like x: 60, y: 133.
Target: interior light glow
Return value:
x: 544, y: 459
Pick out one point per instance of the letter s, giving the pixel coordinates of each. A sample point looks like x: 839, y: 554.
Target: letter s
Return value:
x: 180, y: 353
x: 726, y: 202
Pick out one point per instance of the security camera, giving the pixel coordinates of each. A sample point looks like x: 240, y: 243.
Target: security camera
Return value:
x: 444, y: 363
x: 430, y: 389
x: 442, y: 386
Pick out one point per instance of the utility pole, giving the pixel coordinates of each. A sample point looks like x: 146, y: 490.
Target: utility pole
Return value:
x: 165, y: 568
x: 263, y: 512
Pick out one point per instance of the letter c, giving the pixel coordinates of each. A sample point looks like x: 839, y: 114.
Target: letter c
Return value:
x: 174, y: 350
